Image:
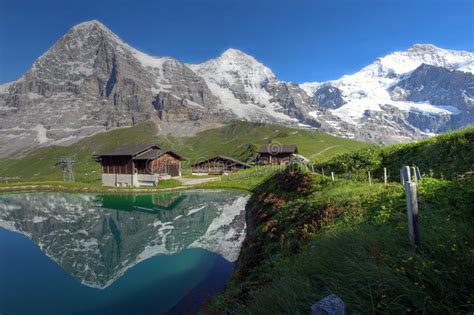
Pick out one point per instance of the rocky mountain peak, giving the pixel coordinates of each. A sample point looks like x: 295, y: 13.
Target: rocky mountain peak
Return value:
x: 77, y: 50
x: 91, y: 29
x: 236, y: 63
x: 405, y: 61
x: 90, y: 25
x: 424, y: 48
x: 236, y: 57
x: 232, y: 52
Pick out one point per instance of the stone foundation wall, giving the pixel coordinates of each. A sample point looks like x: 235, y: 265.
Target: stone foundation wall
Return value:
x: 124, y: 180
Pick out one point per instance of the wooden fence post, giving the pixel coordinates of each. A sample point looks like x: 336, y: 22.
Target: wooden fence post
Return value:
x: 415, y: 178
x: 417, y: 173
x: 385, y: 175
x: 412, y: 208
x: 350, y: 174
x: 404, y: 173
x: 322, y: 171
x: 416, y: 218
x: 312, y: 167
x: 370, y: 178
x: 332, y: 176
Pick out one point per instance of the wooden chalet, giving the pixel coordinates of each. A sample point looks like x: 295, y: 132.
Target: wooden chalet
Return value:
x: 138, y: 165
x: 273, y: 154
x: 218, y: 165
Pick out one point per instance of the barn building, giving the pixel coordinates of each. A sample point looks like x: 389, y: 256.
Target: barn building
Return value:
x: 218, y: 165
x: 138, y: 165
x: 275, y: 154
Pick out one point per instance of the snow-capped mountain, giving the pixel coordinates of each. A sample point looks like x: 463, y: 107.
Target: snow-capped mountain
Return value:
x: 91, y: 81
x: 250, y: 90
x: 237, y: 80
x: 377, y: 97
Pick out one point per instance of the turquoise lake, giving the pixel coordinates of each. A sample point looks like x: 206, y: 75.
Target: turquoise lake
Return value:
x: 163, y: 253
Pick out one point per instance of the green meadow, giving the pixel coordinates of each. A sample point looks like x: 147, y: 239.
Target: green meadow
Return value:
x: 238, y: 140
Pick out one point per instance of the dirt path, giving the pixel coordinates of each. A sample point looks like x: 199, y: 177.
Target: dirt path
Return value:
x: 321, y: 152
x: 194, y: 181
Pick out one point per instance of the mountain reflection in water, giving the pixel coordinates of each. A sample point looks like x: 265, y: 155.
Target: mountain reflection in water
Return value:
x: 97, y: 238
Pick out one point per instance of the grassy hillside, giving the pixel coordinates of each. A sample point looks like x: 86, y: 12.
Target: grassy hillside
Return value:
x: 309, y: 237
x: 241, y: 139
x: 238, y: 140
x: 39, y: 164
x: 351, y: 239
x: 445, y: 156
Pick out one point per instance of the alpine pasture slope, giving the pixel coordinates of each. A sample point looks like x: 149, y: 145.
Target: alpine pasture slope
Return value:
x: 238, y: 140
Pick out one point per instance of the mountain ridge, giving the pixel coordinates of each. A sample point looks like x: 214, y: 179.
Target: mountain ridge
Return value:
x: 91, y: 81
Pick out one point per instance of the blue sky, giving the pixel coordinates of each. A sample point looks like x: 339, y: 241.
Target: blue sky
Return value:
x: 300, y: 41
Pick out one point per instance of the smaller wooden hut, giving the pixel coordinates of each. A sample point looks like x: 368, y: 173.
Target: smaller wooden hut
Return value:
x: 218, y: 165
x: 272, y: 154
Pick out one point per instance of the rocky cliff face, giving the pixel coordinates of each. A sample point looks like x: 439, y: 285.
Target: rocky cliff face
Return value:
x: 86, y: 83
x: 329, y: 97
x: 450, y: 89
x: 91, y: 81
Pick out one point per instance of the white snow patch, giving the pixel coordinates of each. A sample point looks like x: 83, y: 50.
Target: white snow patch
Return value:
x: 466, y: 67
x: 195, y: 210
x: 41, y: 130
x: 224, y: 241
x: 34, y: 96
x: 4, y: 87
x: 37, y: 219
x: 310, y: 87
x: 313, y: 114
x: 9, y: 225
x: 92, y: 242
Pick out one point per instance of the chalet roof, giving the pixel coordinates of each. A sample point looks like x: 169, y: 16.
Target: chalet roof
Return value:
x: 128, y: 150
x: 154, y: 153
x: 139, y: 152
x: 149, y: 154
x: 275, y: 149
x: 222, y: 157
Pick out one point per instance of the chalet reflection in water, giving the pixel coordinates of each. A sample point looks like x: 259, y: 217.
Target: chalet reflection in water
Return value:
x: 151, y: 203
